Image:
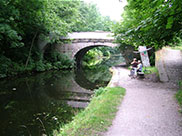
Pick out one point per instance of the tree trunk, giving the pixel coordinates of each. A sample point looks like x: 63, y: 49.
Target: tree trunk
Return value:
x: 29, y: 54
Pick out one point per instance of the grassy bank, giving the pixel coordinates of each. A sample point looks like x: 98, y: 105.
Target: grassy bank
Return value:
x: 179, y: 95
x: 98, y: 116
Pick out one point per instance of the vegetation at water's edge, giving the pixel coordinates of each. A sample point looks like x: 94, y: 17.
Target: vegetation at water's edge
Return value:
x: 98, y: 116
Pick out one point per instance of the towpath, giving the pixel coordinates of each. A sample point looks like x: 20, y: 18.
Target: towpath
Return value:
x: 148, y: 108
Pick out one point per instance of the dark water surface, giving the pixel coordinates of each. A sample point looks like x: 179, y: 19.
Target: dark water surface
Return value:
x: 40, y: 104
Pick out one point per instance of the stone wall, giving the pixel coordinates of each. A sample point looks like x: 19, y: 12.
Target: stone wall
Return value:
x: 169, y: 65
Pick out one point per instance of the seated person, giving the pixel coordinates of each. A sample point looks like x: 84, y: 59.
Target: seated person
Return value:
x: 139, y: 66
x: 134, y: 65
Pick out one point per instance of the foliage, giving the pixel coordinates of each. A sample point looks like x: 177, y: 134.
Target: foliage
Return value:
x: 90, y: 19
x: 9, y: 68
x: 23, y: 23
x: 151, y: 23
x: 101, y: 55
x: 92, y: 57
x: 58, y: 60
x: 179, y: 94
x: 20, y: 24
x: 97, y: 117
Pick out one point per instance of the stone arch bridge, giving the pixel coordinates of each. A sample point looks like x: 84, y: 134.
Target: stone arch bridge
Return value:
x: 81, y: 42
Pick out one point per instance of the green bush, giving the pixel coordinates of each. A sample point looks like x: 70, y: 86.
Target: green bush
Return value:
x: 48, y: 66
x: 40, y: 66
x: 5, y: 64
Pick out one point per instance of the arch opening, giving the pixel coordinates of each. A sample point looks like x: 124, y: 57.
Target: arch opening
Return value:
x: 81, y: 53
x: 96, y: 75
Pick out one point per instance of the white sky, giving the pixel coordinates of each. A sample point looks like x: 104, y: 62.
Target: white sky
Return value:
x: 112, y: 8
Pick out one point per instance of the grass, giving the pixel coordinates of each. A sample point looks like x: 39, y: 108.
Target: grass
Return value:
x: 179, y: 99
x: 179, y: 95
x: 153, y: 70
x: 177, y: 48
x: 149, y: 70
x: 98, y: 116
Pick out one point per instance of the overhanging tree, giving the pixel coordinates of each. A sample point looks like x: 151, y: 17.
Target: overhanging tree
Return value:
x: 150, y: 22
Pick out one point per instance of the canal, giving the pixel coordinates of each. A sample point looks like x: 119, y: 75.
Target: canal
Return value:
x: 41, y: 103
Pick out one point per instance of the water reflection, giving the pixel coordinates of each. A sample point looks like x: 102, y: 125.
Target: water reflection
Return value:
x: 39, y: 104
x: 93, y: 78
x: 34, y: 105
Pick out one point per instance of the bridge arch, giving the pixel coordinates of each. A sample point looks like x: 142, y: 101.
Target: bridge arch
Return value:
x: 80, y: 54
x: 81, y: 40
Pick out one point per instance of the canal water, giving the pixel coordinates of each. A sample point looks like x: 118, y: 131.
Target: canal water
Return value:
x: 40, y: 104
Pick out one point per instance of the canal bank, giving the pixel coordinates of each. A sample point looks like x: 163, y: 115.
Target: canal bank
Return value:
x: 98, y: 116
x: 41, y: 103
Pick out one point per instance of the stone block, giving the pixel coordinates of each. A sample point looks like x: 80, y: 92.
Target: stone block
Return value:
x: 169, y: 65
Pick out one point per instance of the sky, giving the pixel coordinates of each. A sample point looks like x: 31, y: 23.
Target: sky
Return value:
x: 112, y: 8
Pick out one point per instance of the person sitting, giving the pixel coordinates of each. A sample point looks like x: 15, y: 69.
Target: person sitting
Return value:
x: 140, y: 73
x: 134, y: 65
x: 139, y: 66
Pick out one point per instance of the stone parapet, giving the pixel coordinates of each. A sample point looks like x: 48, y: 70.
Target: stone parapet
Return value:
x: 91, y: 40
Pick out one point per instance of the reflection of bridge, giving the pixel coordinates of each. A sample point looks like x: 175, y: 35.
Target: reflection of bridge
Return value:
x: 84, y: 41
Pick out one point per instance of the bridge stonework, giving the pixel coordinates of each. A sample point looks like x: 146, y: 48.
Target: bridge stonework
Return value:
x: 85, y: 39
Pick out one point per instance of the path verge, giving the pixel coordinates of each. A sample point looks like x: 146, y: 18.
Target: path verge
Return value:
x: 98, y: 116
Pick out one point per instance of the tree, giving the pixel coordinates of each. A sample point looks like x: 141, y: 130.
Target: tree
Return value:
x: 151, y: 23
x: 21, y: 22
x: 90, y: 19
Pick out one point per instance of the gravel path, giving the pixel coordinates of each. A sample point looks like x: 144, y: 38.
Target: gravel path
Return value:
x: 148, y: 109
